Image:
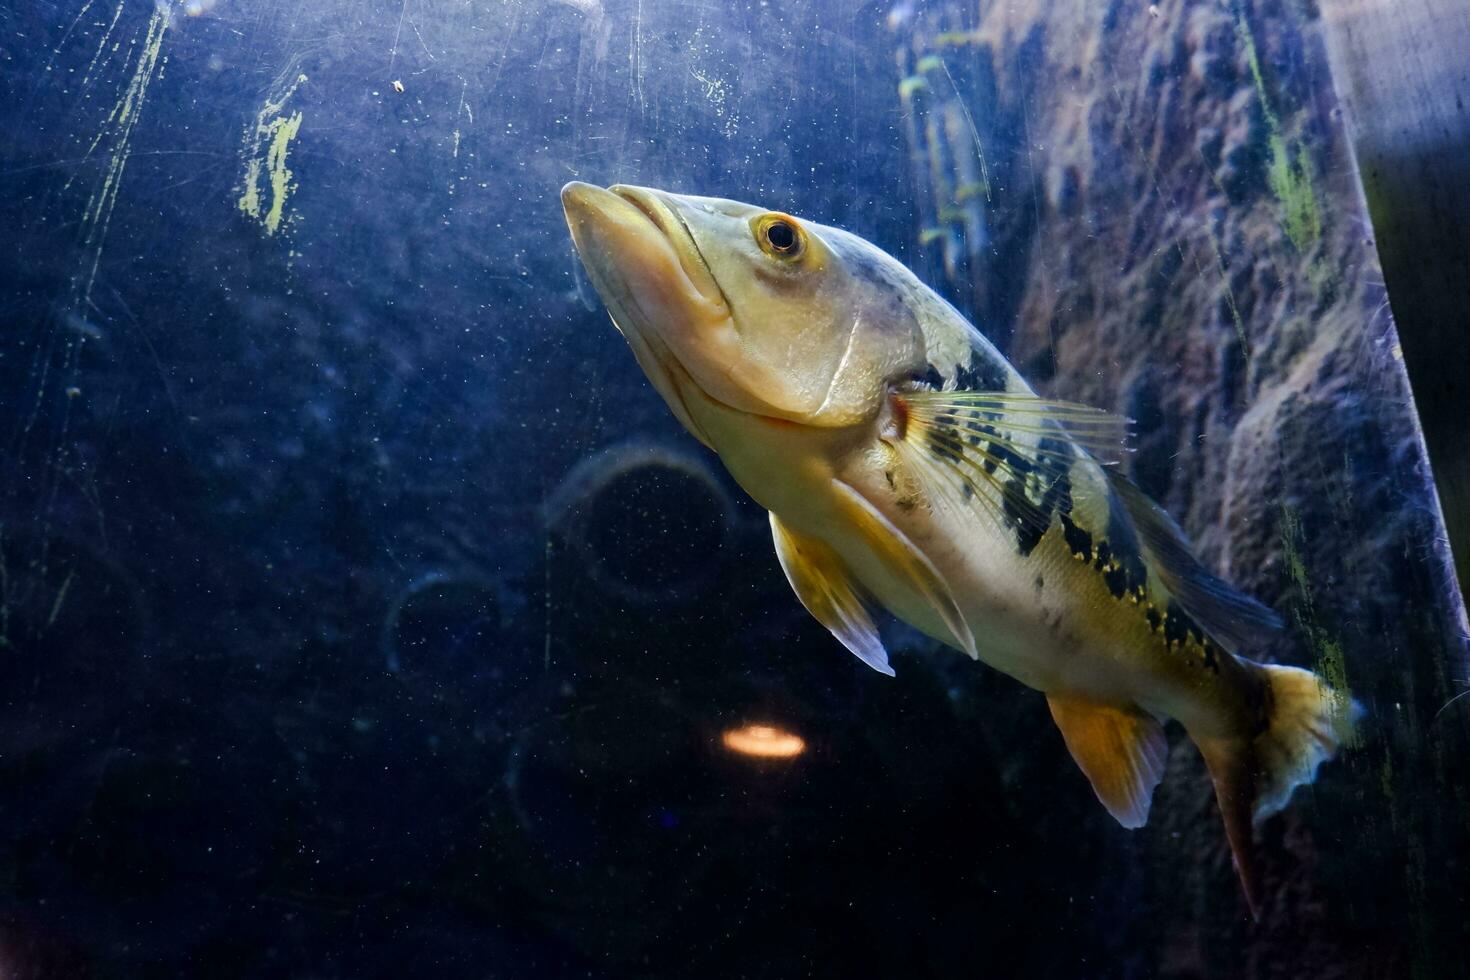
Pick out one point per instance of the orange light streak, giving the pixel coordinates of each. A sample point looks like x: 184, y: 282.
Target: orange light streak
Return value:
x: 764, y: 742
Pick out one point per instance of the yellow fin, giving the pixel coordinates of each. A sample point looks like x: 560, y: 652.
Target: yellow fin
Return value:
x: 1309, y: 722
x: 1121, y: 750
x: 904, y: 561
x: 1254, y: 777
x: 1232, y: 770
x: 825, y: 588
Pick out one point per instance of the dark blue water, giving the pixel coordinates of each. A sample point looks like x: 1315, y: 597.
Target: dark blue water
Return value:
x: 363, y: 612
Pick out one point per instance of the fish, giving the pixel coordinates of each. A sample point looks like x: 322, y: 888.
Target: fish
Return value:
x: 908, y: 467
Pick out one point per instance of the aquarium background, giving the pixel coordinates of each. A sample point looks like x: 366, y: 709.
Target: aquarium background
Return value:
x: 363, y: 612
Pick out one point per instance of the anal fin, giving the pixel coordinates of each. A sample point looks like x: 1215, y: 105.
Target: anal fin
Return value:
x: 1121, y: 750
x: 825, y: 588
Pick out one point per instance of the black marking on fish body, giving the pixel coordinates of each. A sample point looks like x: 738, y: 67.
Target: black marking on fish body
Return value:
x: 985, y: 372
x: 1058, y: 496
x: 1040, y: 583
x: 1079, y: 541
x: 1177, y: 624
x: 1014, y: 461
x: 1028, y: 533
x: 1117, y: 580
x: 1125, y: 575
x: 945, y: 443
x: 1055, y: 500
x: 1123, y: 541
x: 1097, y: 552
x: 931, y: 377
x: 1211, y: 653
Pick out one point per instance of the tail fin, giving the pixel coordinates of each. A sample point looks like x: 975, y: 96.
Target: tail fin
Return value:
x: 1309, y: 720
x: 1254, y: 777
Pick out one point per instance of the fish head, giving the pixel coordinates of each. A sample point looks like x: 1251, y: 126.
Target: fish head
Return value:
x: 757, y: 310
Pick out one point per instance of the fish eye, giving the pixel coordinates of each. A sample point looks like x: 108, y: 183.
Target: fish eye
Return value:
x: 780, y: 236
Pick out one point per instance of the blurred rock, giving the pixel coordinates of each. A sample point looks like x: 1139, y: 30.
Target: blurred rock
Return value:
x: 1193, y: 256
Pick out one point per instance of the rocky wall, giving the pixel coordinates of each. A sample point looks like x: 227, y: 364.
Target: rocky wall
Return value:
x: 1174, y: 230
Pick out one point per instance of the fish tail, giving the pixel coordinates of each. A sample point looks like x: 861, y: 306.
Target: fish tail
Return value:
x: 1308, y: 721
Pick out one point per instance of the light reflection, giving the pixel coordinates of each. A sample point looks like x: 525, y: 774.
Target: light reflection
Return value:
x: 764, y: 742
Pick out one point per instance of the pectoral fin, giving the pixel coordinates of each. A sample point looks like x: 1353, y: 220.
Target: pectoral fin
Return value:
x: 823, y: 585
x: 1121, y: 750
x: 904, y: 562
x: 1005, y: 455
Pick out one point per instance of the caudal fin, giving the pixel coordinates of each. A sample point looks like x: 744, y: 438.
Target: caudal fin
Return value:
x: 1309, y: 721
x: 1254, y: 777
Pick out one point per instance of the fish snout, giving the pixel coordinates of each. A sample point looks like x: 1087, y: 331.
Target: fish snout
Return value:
x: 636, y: 234
x: 583, y: 203
x: 573, y: 193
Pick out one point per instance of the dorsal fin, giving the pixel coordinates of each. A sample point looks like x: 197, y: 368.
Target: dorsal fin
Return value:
x: 1121, y: 750
x: 1228, y: 615
x: 825, y: 588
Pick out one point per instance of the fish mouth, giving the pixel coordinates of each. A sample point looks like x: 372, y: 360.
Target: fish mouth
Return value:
x: 646, y: 265
x: 675, y: 229
x: 625, y: 231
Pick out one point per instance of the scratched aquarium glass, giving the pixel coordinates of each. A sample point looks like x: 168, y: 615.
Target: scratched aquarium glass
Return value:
x: 366, y: 611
